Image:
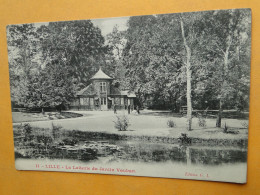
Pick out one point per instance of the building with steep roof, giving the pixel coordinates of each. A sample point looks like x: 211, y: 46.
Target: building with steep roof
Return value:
x: 102, y: 95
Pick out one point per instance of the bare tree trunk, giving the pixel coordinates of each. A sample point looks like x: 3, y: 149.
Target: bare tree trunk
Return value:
x: 226, y: 62
x: 188, y: 75
x: 188, y: 156
x: 43, y: 111
x: 218, y: 122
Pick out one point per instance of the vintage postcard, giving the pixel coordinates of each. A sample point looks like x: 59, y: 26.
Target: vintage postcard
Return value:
x: 155, y: 95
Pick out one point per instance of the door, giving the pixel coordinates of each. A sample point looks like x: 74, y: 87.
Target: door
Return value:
x: 103, y: 103
x: 109, y: 103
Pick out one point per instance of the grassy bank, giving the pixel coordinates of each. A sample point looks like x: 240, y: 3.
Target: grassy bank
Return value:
x: 81, y: 136
x: 57, y: 143
x: 30, y: 117
x: 60, y: 136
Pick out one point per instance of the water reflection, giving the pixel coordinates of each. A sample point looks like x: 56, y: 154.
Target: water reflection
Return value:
x: 148, y: 152
x: 137, y: 151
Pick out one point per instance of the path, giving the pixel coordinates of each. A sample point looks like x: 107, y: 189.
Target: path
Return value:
x: 102, y: 121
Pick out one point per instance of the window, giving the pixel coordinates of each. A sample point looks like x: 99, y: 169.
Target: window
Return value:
x: 117, y: 101
x: 103, y: 101
x: 91, y: 101
x: 102, y: 87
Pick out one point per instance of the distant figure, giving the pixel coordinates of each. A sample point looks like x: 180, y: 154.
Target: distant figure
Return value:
x: 115, y: 109
x: 129, y: 108
x: 137, y: 109
x: 125, y: 107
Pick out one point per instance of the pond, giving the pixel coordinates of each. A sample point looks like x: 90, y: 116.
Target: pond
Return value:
x: 141, y: 158
x: 106, y: 153
x: 140, y: 151
x: 136, y: 151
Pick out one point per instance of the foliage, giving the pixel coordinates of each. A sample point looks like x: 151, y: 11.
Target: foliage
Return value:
x: 56, y: 131
x: 26, y: 131
x: 122, y: 123
x: 225, y: 128
x: 171, y: 123
x: 45, y: 139
x: 150, y: 59
x: 77, y: 45
x: 196, y: 59
x: 155, y: 58
x: 116, y: 42
x: 22, y: 49
x: 245, y: 124
x: 51, y: 62
x: 231, y: 58
x: 184, y: 139
x: 70, y: 141
x: 202, y: 121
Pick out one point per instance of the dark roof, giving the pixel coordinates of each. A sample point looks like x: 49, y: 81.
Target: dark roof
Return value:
x: 89, y: 90
x: 117, y: 91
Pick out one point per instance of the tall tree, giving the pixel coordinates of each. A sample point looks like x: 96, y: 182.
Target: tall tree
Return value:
x: 189, y: 29
x: 116, y: 42
x: 53, y: 61
x: 79, y: 46
x: 22, y: 50
x: 152, y: 60
x: 188, y: 75
x: 230, y: 33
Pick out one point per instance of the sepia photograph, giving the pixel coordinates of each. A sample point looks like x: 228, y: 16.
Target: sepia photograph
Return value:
x: 162, y: 95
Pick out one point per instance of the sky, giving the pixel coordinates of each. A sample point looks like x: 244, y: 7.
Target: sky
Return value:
x: 107, y: 24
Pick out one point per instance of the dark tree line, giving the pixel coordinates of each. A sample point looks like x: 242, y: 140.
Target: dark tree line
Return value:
x: 199, y: 59
x: 50, y: 63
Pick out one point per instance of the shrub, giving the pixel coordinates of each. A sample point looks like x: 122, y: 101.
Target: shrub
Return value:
x: 26, y: 131
x: 56, y: 131
x: 225, y: 128
x: 244, y: 124
x: 201, y: 120
x: 45, y: 139
x: 122, y: 123
x: 184, y: 139
x: 70, y: 141
x: 171, y: 123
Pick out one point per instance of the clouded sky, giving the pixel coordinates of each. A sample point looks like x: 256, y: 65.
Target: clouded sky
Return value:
x: 107, y: 24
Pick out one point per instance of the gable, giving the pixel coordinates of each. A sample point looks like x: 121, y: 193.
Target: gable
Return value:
x: 89, y: 90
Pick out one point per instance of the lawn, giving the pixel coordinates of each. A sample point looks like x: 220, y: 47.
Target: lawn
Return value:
x: 148, y: 123
x: 30, y: 117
